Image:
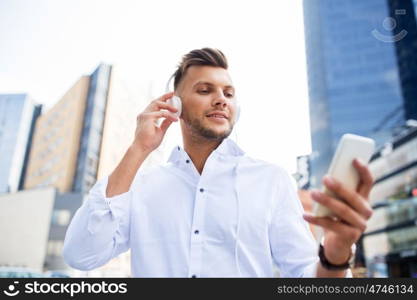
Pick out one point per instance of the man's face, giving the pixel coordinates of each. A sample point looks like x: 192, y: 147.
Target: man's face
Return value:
x: 208, y: 102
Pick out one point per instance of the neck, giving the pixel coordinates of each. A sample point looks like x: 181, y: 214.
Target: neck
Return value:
x: 199, y: 149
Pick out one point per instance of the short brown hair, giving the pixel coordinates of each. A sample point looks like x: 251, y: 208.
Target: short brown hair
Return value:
x: 199, y: 57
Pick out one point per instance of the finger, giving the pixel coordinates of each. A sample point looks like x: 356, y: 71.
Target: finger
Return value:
x: 367, y: 180
x: 334, y: 226
x: 356, y: 201
x: 342, y: 210
x: 161, y: 114
x: 165, y: 125
x: 163, y: 105
x: 165, y: 97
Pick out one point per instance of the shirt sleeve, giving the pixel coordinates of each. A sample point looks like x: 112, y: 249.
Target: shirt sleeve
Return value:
x: 99, y: 230
x: 294, y: 249
x: 293, y: 246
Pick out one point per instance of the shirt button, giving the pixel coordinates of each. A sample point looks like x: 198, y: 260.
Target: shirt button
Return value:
x: 194, y: 276
x: 196, y: 232
x: 187, y: 161
x: 201, y: 190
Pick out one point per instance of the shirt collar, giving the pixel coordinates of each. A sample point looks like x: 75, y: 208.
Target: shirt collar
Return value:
x: 226, y: 148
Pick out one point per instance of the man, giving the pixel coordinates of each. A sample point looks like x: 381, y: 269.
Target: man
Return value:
x: 210, y: 211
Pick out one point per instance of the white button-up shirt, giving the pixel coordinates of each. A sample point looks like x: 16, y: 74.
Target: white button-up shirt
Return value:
x: 235, y: 219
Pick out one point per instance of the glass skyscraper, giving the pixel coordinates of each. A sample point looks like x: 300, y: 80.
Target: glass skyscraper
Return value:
x: 353, y: 73
x: 89, y: 153
x: 17, y: 117
x: 402, y: 11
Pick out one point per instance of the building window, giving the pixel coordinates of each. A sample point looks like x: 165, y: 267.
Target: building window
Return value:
x: 61, y: 217
x: 55, y: 248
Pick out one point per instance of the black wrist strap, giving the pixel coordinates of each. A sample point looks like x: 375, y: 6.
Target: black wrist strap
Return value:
x: 328, y: 265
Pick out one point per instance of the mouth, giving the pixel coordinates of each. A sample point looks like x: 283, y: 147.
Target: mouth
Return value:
x: 217, y: 115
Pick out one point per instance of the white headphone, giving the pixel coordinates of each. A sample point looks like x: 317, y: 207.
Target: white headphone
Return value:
x: 176, y: 102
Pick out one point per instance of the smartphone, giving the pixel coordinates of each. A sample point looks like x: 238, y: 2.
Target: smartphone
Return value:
x: 341, y: 168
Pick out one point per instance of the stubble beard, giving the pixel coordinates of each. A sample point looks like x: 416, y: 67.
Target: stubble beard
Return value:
x: 198, y: 129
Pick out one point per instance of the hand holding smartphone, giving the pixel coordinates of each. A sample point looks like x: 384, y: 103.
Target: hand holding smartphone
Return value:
x: 350, y: 147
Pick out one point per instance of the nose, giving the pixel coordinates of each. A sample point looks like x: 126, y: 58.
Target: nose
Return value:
x: 220, y: 101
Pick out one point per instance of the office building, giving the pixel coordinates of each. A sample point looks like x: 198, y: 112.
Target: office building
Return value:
x: 360, y: 79
x: 390, y: 241
x: 18, y: 114
x: 64, y: 208
x: 84, y: 135
x: 24, y: 225
x: 56, y: 142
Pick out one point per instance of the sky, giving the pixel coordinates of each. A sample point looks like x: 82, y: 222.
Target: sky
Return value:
x: 46, y: 45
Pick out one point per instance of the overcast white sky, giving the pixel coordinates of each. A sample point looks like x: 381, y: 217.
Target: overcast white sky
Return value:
x: 47, y: 45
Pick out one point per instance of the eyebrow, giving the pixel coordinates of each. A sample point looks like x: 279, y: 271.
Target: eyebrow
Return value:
x: 210, y: 84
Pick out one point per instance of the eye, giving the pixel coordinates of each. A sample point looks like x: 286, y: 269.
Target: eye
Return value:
x: 229, y: 95
x: 203, y: 91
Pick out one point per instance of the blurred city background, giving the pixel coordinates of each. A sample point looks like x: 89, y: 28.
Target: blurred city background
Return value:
x: 75, y: 74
